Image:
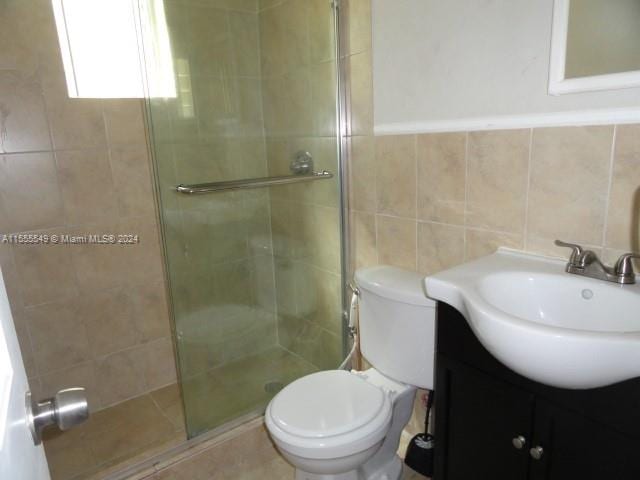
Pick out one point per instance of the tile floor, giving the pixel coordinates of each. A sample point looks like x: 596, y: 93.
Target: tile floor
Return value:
x: 129, y: 432
x: 247, y: 456
x: 146, y: 426
x: 141, y: 428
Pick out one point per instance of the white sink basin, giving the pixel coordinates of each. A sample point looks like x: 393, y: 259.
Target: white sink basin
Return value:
x: 553, y: 327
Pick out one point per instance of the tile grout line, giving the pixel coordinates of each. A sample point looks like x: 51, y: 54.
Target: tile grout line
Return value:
x: 155, y: 402
x: 418, y: 220
x: 375, y: 226
x: 266, y: 165
x: 38, y: 376
x: 112, y: 289
x: 103, y: 356
x: 466, y: 195
x: 375, y: 197
x: 299, y: 357
x: 415, y: 220
x: 607, y: 199
x: 525, y: 232
x: 51, y: 151
x: 270, y: 7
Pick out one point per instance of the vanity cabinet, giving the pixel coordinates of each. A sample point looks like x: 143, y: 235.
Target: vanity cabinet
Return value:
x: 488, y: 419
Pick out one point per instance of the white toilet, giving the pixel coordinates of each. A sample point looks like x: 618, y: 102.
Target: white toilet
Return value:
x: 342, y: 425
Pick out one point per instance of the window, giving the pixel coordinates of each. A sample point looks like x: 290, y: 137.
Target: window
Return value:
x: 115, y: 48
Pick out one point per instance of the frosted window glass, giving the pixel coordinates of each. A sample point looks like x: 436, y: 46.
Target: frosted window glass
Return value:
x: 102, y: 44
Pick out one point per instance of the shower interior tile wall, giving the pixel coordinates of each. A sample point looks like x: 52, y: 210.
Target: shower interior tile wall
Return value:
x: 82, y: 312
x: 219, y: 245
x: 264, y: 263
x: 298, y: 69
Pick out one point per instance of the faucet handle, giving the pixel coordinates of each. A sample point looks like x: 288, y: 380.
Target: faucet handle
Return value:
x: 624, y: 267
x: 577, y: 250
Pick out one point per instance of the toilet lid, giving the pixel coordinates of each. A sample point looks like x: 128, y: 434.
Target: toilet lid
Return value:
x: 327, y: 403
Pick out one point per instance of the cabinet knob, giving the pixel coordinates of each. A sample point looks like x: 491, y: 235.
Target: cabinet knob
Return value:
x: 519, y: 442
x: 536, y: 452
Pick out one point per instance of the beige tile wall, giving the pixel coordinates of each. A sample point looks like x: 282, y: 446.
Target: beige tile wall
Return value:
x: 444, y: 198
x: 90, y: 315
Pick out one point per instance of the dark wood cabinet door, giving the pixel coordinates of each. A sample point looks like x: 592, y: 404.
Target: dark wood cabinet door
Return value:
x: 576, y: 447
x: 477, y: 418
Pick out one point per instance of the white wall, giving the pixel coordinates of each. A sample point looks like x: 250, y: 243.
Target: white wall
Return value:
x: 442, y: 65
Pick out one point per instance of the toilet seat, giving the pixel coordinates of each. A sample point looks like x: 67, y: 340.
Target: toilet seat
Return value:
x: 329, y: 414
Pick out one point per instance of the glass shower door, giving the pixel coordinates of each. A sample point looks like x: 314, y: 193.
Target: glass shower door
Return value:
x: 254, y: 275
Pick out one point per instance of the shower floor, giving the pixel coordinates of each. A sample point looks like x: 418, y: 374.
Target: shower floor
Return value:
x: 138, y: 429
x: 240, y: 387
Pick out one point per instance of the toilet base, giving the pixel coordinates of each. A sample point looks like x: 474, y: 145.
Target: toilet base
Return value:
x: 352, y: 475
x: 391, y: 471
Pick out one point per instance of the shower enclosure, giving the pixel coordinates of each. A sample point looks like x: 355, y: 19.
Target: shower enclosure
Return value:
x: 254, y: 257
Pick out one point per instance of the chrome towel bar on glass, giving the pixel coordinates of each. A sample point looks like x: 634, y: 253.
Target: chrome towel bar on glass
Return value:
x: 251, y: 183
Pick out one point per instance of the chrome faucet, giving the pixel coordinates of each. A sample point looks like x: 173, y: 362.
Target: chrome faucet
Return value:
x: 586, y: 263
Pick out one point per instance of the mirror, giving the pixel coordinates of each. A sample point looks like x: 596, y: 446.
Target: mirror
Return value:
x: 595, y: 45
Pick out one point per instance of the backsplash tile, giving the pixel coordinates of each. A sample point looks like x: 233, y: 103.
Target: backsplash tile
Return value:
x: 497, y: 170
x: 441, y: 177
x: 362, y: 189
x: 363, y: 237
x: 440, y: 246
x: 483, y: 242
x: 397, y: 241
x: 624, y: 201
x: 396, y: 168
x: 569, y: 183
x: 481, y: 190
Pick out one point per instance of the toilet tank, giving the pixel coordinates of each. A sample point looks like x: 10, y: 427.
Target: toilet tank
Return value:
x: 397, y: 324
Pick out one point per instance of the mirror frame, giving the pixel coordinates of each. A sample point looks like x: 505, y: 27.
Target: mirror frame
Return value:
x: 558, y: 83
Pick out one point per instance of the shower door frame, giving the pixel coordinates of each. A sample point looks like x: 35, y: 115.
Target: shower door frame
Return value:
x: 343, y: 128
x: 342, y: 132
